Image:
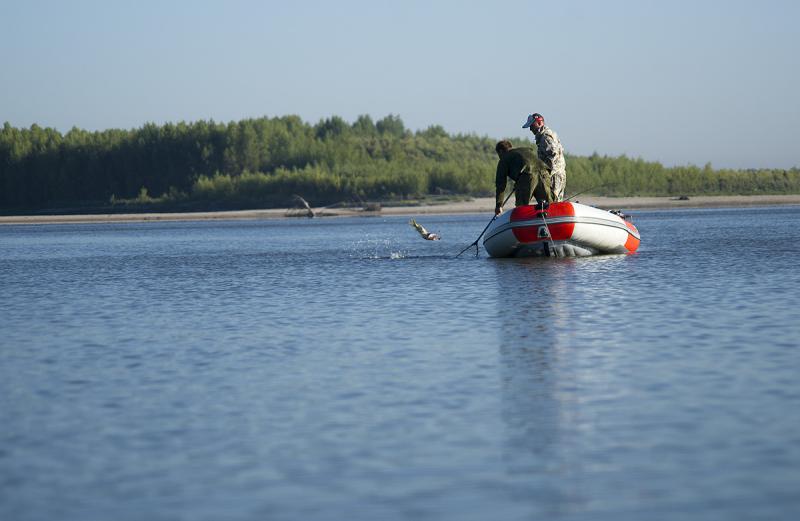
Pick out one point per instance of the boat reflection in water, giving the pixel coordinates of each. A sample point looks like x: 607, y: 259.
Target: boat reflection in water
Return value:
x: 543, y: 363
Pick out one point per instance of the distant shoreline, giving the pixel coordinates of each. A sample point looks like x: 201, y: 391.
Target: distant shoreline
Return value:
x: 482, y: 205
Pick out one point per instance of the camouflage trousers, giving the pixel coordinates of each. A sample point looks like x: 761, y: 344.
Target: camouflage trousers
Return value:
x: 558, y: 181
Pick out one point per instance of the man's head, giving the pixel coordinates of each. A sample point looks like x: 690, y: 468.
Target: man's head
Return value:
x: 535, y: 122
x: 502, y: 146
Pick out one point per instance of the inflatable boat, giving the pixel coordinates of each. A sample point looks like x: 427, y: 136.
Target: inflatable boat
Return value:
x: 562, y: 229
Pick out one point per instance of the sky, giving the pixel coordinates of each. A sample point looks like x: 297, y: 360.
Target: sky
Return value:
x: 680, y: 82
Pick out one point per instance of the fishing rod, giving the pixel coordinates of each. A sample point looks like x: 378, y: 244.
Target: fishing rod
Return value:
x: 477, y: 248
x: 587, y: 190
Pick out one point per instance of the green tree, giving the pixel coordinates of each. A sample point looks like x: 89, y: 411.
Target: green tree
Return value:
x: 391, y: 125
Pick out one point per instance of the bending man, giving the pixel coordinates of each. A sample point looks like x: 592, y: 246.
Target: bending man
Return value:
x: 530, y: 175
x: 550, y: 151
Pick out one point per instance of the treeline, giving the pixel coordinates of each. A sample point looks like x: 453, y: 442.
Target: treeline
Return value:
x: 262, y: 162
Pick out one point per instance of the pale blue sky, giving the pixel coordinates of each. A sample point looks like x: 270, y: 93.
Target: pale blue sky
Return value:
x: 678, y: 82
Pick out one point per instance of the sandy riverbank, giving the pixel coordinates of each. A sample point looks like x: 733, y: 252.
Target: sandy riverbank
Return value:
x: 479, y: 205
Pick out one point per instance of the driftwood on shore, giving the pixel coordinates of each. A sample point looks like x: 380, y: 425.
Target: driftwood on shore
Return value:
x: 301, y: 209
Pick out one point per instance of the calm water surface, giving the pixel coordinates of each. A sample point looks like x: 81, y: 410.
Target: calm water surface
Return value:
x: 345, y: 369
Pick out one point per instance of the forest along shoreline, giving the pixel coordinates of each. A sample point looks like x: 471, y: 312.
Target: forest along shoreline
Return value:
x: 265, y: 162
x: 483, y: 205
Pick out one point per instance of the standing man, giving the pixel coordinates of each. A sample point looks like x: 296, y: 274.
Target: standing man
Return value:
x: 550, y: 151
x: 529, y: 174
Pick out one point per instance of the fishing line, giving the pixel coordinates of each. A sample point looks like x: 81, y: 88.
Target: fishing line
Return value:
x: 587, y: 190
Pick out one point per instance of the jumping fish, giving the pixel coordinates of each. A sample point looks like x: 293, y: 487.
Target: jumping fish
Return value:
x: 423, y: 232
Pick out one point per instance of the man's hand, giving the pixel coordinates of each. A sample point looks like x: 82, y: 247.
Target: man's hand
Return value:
x: 498, y: 210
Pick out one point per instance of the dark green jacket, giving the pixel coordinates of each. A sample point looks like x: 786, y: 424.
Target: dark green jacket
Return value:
x: 511, y: 164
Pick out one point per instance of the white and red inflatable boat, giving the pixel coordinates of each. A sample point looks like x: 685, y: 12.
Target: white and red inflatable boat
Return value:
x: 562, y: 229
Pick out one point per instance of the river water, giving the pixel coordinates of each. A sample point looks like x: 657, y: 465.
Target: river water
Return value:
x: 345, y: 369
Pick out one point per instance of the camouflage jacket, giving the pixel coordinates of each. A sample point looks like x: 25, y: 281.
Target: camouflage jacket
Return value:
x: 549, y: 149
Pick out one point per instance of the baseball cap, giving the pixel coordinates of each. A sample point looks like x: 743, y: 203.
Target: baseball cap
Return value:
x: 533, y: 117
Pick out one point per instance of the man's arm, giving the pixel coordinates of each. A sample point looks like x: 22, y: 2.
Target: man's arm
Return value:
x: 500, y: 179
